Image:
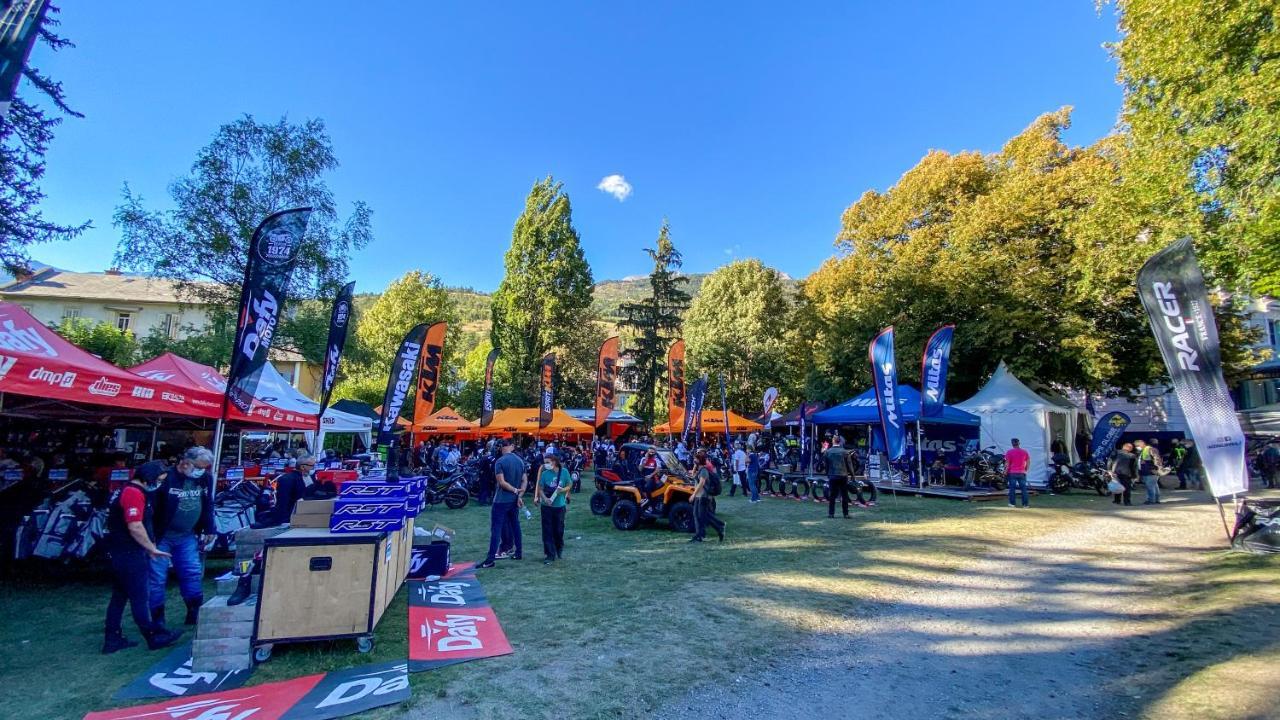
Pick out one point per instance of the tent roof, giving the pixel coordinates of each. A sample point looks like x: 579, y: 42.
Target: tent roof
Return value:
x: 355, y: 407
x: 446, y: 421
x: 276, y: 403
x: 38, y: 362
x: 525, y: 420
x: 712, y: 422
x: 1004, y: 392
x: 864, y: 410
x: 588, y: 416
x: 337, y: 421
x: 793, y: 417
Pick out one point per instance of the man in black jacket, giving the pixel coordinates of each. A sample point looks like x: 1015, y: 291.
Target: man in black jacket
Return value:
x: 291, y: 487
x: 183, y: 517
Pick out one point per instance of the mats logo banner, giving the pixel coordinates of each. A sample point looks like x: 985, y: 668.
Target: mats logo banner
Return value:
x: 1173, y: 292
x: 399, y: 381
x: 933, y: 371
x: 606, y: 379
x: 339, y: 321
x: 429, y: 374
x: 1105, y: 436
x: 273, y: 252
x: 884, y: 377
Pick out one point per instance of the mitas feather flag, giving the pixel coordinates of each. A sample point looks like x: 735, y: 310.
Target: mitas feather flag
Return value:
x: 429, y: 367
x: 606, y: 379
x: 675, y: 382
x: 547, y: 390
x: 884, y: 376
x: 933, y: 371
x: 400, y: 381
x: 273, y: 252
x: 1173, y: 292
x: 19, y: 27
x: 339, y: 320
x: 486, y: 401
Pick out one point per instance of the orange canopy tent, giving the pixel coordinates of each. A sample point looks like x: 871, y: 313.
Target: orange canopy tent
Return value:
x: 513, y: 421
x: 712, y: 422
x: 446, y: 421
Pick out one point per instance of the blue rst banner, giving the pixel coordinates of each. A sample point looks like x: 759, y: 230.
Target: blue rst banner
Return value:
x: 1106, y: 434
x: 933, y: 371
x: 884, y: 376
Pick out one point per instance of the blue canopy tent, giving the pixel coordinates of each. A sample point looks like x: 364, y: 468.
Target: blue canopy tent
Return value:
x: 944, y: 434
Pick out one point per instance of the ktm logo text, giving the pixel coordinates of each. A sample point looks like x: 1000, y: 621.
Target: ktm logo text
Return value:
x: 430, y: 375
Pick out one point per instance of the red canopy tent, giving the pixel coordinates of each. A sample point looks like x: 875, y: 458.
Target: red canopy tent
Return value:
x: 37, y: 362
x: 277, y: 404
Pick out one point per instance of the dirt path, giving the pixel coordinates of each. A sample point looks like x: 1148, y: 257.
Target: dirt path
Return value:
x: 1038, y: 630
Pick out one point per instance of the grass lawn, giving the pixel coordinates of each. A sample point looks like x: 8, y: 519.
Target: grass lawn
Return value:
x: 623, y: 624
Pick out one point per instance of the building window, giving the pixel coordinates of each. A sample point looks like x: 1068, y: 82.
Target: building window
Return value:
x: 124, y: 321
x: 169, y: 326
x: 70, y: 313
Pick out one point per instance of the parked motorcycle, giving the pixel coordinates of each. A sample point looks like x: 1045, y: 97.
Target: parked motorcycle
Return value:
x: 452, y: 491
x: 987, y: 468
x: 1087, y: 476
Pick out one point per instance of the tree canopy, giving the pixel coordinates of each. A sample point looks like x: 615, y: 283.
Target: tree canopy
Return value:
x: 544, y: 299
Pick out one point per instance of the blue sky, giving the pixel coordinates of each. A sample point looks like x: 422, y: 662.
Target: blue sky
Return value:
x: 751, y: 125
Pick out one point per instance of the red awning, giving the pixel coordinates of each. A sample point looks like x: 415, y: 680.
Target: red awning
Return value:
x: 36, y: 361
x: 277, y: 404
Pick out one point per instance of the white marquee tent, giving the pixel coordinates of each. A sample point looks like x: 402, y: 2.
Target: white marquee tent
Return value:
x: 1009, y: 409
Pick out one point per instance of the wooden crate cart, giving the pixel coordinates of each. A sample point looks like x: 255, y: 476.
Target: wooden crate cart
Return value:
x: 318, y: 585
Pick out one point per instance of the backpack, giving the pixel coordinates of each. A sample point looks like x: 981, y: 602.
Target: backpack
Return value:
x: 713, y: 480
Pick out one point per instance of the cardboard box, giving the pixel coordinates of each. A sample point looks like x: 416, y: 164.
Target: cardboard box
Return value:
x: 311, y: 514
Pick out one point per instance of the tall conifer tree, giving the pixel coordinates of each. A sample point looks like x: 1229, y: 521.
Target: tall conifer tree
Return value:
x: 654, y: 323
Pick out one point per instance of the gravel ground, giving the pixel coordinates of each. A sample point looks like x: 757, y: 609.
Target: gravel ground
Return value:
x: 1038, y: 630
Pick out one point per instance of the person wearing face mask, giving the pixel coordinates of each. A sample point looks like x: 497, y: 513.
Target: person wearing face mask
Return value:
x: 552, y: 496
x: 130, y: 545
x: 291, y: 486
x: 183, y: 515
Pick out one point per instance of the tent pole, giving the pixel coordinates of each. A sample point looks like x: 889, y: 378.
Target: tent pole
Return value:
x: 217, y: 456
x: 155, y: 429
x: 239, y: 448
x: 920, y: 453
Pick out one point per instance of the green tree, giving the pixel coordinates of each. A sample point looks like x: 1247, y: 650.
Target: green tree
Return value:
x: 416, y: 297
x: 247, y: 172
x: 653, y: 323
x: 25, y: 134
x: 1202, y: 113
x: 116, y: 346
x: 1031, y: 251
x: 545, y: 296
x: 737, y: 327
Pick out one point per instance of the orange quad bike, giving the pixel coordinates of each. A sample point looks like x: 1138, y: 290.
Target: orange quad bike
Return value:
x: 634, y: 500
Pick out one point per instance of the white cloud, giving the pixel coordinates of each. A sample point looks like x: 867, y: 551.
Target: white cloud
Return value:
x: 617, y: 186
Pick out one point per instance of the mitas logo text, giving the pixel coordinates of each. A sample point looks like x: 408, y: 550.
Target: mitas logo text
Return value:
x: 454, y: 633
x: 1179, y: 333
x: 888, y: 393
x: 408, y: 362
x: 933, y: 375
x: 57, y: 379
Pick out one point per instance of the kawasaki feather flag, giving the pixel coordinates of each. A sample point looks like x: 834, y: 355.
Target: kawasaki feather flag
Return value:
x: 933, y: 371
x: 339, y: 320
x: 1173, y: 292
x: 486, y: 402
x: 1106, y: 434
x: 547, y: 390
x: 884, y: 376
x: 400, y: 383
x: 273, y: 252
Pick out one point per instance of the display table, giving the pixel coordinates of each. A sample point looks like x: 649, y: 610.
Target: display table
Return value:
x: 319, y: 585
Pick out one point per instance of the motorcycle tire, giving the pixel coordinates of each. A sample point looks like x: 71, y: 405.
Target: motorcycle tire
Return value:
x: 456, y: 498
x: 800, y: 489
x: 1100, y: 488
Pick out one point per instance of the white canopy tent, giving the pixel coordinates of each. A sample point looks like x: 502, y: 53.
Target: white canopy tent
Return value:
x: 1009, y: 409
x: 274, y: 389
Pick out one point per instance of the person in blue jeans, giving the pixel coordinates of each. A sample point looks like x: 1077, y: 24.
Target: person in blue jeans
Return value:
x: 510, y: 475
x: 183, y: 516
x: 753, y: 474
x: 1016, y: 464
